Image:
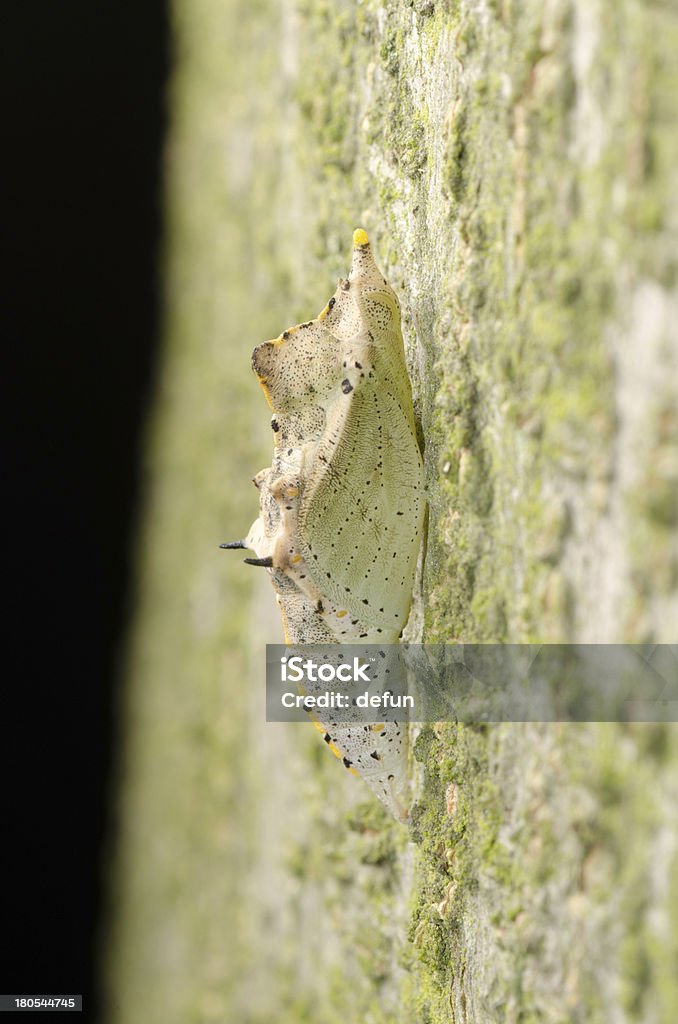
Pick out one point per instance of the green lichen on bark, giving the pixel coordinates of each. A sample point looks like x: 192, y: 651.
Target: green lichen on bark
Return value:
x: 492, y: 144
x: 515, y: 167
x: 534, y: 902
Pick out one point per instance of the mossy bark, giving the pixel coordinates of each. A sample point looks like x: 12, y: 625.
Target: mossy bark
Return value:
x: 516, y: 167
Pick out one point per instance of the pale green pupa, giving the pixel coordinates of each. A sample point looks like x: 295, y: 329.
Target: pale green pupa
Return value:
x: 342, y: 505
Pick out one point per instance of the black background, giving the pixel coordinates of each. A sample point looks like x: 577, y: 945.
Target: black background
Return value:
x: 83, y: 130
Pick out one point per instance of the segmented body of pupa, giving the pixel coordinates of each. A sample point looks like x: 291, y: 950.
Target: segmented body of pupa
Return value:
x: 342, y: 505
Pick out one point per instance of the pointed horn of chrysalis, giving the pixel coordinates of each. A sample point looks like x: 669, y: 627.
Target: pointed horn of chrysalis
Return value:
x: 266, y: 562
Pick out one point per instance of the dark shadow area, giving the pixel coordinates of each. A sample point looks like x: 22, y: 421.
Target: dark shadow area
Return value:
x: 83, y: 131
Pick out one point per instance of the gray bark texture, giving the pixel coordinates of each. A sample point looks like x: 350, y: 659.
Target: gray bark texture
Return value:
x: 516, y: 167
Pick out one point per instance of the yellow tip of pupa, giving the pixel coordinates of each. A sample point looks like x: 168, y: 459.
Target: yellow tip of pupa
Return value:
x: 360, y: 237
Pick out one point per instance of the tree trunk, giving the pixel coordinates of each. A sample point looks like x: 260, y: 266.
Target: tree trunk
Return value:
x: 516, y: 168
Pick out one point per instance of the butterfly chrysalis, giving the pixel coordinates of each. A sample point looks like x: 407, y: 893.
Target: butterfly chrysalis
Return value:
x: 342, y: 505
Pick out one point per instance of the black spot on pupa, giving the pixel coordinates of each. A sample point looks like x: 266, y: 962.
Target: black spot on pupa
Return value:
x: 319, y: 607
x: 275, y: 426
x: 375, y: 755
x: 327, y: 738
x: 346, y: 387
x: 330, y: 304
x: 358, y: 366
x: 346, y: 762
x: 286, y: 335
x: 365, y: 601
